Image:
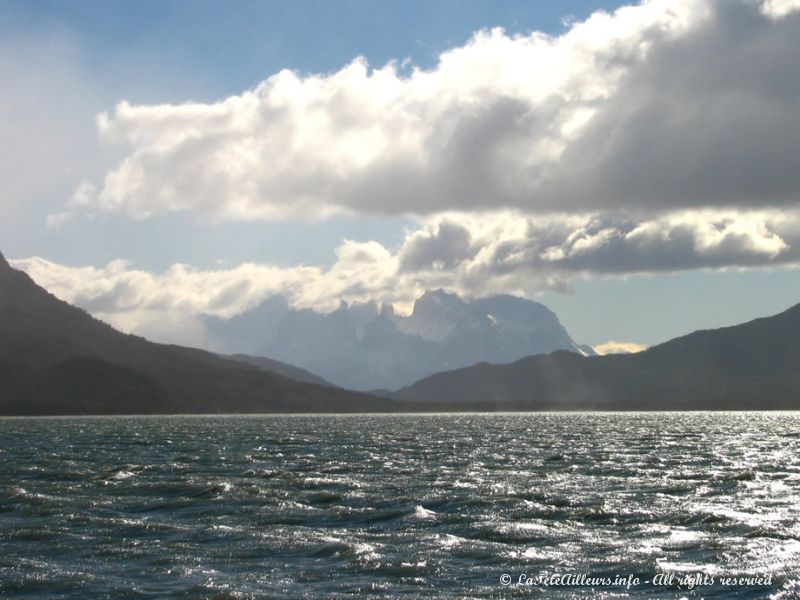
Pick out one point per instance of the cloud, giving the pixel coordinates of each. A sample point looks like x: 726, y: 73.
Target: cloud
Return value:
x: 663, y: 106
x: 778, y: 9
x: 676, y: 242
x: 473, y: 255
x: 444, y: 247
x: 612, y: 347
x: 658, y: 138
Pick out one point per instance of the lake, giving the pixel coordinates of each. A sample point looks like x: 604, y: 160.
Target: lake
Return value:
x: 527, y: 505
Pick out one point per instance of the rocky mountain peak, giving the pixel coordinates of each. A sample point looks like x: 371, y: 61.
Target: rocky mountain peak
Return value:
x: 362, y: 346
x: 387, y: 310
x: 433, y: 303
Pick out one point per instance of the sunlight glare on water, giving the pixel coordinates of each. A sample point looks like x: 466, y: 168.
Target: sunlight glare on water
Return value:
x: 416, y: 506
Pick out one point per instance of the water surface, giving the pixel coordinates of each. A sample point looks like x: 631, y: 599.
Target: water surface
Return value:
x: 411, y: 506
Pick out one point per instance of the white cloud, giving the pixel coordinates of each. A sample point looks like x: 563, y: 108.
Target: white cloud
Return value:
x: 668, y: 105
x: 471, y: 254
x: 612, y: 347
x: 659, y: 138
x: 777, y: 9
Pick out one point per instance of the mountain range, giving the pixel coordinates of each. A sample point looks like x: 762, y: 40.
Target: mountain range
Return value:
x: 57, y: 359
x: 364, y: 347
x: 752, y: 366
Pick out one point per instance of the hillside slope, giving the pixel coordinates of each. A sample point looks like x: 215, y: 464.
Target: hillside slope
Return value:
x: 280, y: 368
x: 57, y: 359
x: 755, y: 365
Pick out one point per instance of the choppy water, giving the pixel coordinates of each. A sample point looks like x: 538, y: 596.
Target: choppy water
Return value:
x: 400, y: 506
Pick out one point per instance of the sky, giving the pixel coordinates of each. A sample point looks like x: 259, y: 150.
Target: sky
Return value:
x: 635, y: 167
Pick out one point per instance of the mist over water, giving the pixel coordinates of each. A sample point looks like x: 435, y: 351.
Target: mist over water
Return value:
x: 416, y: 506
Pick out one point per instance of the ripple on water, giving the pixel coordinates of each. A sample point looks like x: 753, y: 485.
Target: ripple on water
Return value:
x: 358, y: 505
